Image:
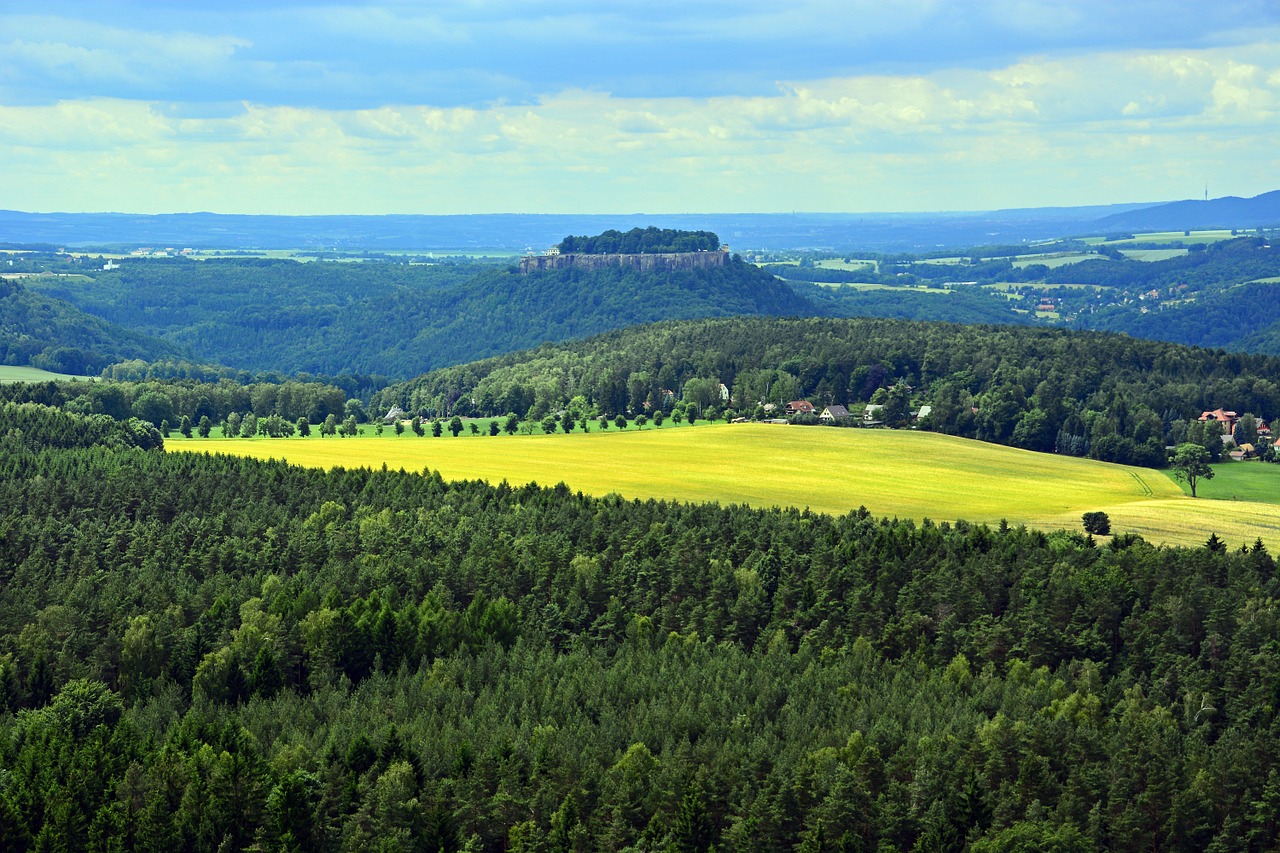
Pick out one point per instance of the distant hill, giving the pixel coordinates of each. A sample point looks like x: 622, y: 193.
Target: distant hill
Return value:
x: 401, y: 320
x: 40, y: 331
x: 1229, y: 212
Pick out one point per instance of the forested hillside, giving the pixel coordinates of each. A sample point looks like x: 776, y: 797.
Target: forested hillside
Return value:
x: 1109, y: 396
x: 205, y: 652
x: 396, y: 319
x: 56, y: 336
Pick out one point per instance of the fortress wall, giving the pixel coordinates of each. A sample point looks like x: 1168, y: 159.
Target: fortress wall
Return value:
x: 661, y: 262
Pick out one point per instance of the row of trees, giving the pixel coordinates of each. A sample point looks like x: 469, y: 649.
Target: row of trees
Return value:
x: 204, y: 651
x: 158, y: 401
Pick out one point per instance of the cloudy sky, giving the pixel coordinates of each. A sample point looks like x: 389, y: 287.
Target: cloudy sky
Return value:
x: 616, y: 106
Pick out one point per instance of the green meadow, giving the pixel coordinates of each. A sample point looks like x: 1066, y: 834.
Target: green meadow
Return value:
x: 892, y: 473
x: 1212, y: 236
x: 9, y: 373
x: 1241, y: 481
x: 1152, y: 254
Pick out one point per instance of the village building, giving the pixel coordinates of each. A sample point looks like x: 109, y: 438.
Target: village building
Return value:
x: 799, y: 407
x: 1227, y: 419
x: 834, y: 414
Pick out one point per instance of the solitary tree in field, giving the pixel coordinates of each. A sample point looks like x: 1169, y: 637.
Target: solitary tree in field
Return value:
x: 1191, y: 465
x: 1098, y: 523
x: 455, y: 425
x: 494, y: 429
x: 620, y: 421
x: 304, y: 426
x: 436, y: 428
x: 399, y: 427
x: 205, y: 427
x: 511, y: 424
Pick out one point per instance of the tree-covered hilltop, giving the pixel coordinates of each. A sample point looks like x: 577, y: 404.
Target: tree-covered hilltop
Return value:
x: 203, y: 652
x: 54, y: 335
x: 1108, y: 396
x: 641, y: 241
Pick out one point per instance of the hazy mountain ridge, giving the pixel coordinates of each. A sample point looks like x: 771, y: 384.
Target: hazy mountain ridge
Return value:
x: 1195, y: 214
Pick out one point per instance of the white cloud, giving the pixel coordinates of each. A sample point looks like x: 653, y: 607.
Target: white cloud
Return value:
x: 1118, y: 126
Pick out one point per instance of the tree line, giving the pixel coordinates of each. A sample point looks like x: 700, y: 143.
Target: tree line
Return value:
x: 1107, y: 396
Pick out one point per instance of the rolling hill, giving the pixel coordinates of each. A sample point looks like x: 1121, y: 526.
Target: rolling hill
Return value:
x: 398, y: 319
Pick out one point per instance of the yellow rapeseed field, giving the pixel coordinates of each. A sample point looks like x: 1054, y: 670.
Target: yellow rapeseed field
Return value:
x: 891, y: 473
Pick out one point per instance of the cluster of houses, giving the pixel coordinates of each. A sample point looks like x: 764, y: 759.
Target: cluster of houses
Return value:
x: 837, y: 414
x: 1228, y: 419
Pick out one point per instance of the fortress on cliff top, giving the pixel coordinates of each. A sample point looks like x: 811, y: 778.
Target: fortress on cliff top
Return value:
x: 663, y: 262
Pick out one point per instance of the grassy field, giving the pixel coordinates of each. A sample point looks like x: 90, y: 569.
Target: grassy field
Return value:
x: 864, y: 285
x: 904, y: 474
x: 1168, y: 237
x: 35, y: 374
x: 1056, y: 259
x: 839, y: 264
x: 1153, y: 254
x: 1241, y: 481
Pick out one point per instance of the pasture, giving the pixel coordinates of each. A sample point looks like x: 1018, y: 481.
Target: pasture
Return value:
x: 1152, y: 254
x: 1054, y: 260
x: 862, y: 285
x: 892, y: 473
x: 1168, y: 237
x: 1241, y: 481
x: 9, y: 373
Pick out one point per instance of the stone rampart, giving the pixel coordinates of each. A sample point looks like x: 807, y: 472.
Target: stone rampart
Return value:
x: 655, y: 262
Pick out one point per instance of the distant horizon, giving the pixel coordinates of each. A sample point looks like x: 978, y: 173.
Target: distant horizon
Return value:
x: 618, y: 214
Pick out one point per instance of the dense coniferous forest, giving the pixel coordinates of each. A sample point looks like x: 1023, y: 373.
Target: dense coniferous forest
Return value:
x: 1108, y: 396
x: 214, y: 653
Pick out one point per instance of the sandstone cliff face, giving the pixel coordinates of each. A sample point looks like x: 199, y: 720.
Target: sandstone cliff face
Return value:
x: 646, y: 263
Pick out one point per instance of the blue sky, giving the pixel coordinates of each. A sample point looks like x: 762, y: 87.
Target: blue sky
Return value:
x: 577, y: 107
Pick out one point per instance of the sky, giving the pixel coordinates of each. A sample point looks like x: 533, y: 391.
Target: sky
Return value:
x: 528, y: 106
